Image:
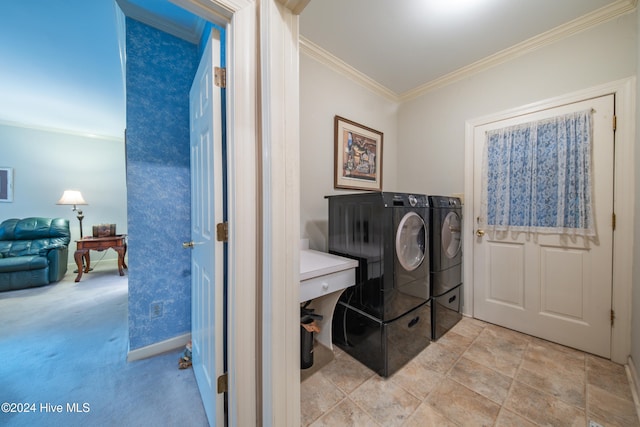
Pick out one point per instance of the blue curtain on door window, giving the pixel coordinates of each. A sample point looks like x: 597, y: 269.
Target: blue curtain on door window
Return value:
x: 537, y: 177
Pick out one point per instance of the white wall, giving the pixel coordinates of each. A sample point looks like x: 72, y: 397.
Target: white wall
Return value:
x: 46, y: 162
x: 323, y: 95
x: 429, y: 134
x: 424, y: 137
x: 431, y: 128
x: 635, y: 302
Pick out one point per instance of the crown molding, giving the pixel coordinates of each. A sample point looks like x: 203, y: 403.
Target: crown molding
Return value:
x: 41, y: 128
x: 219, y: 12
x: 295, y: 6
x: 324, y: 57
x: 604, y: 14
x: 190, y: 34
x: 585, y: 22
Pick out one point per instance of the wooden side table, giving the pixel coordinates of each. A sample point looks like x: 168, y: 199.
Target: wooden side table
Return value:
x: 117, y: 243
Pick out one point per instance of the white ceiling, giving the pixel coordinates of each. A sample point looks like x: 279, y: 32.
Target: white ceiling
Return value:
x: 405, y: 44
x: 62, y: 67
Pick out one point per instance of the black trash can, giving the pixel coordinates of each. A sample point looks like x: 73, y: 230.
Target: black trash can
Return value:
x: 306, y: 343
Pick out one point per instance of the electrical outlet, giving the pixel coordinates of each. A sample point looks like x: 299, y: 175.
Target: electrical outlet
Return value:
x: 156, y: 310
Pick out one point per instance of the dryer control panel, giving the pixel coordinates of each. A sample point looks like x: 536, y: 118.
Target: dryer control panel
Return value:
x: 445, y: 202
x: 402, y: 200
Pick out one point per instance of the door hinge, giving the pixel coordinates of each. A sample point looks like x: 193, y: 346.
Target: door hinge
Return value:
x: 615, y: 122
x: 222, y: 232
x: 223, y: 383
x: 613, y: 221
x: 613, y: 317
x: 220, y: 77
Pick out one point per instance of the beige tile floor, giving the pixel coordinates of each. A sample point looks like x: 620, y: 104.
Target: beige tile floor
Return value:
x: 476, y: 375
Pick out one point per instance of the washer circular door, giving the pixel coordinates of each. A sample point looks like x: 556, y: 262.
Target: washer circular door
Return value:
x: 450, y: 235
x: 411, y: 239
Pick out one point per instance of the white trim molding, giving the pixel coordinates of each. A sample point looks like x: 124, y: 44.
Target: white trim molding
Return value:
x: 597, y: 17
x: 73, y: 132
x: 624, y: 196
x: 314, y: 51
x: 190, y: 33
x: 280, y: 201
x: 158, y: 348
x: 295, y: 6
x: 239, y: 18
x: 264, y: 213
x: 632, y: 377
x: 244, y: 250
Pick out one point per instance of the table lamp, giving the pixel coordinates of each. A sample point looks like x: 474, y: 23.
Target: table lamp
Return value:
x: 73, y: 197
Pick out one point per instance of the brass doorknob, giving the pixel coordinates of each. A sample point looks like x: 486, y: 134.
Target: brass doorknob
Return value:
x: 480, y: 233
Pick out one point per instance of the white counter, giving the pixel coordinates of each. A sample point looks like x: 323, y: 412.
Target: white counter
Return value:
x: 323, y: 278
x: 322, y: 273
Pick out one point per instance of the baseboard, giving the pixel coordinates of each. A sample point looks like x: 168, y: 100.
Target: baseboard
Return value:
x: 158, y: 348
x: 632, y: 375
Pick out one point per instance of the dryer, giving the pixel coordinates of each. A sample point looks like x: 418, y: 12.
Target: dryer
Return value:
x: 446, y: 263
x: 384, y: 319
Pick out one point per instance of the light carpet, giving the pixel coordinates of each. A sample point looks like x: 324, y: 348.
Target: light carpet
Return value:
x: 63, y: 351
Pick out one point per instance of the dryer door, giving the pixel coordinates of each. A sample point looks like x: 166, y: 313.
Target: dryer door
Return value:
x: 451, y: 234
x: 411, y: 239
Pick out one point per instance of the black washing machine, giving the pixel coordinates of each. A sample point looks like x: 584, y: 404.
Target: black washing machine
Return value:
x: 446, y: 263
x: 384, y: 320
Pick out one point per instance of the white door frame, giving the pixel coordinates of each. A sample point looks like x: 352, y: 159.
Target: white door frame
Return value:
x: 624, y: 195
x: 263, y: 206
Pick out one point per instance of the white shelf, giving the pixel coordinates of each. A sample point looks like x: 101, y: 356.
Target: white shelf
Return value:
x: 323, y: 278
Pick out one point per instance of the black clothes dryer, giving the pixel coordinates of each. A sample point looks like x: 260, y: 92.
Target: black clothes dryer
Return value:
x: 384, y: 319
x: 446, y: 263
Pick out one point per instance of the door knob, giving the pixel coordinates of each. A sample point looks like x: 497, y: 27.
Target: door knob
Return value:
x: 480, y: 233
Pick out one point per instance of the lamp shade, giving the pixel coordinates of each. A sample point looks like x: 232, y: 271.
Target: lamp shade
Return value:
x: 71, y: 197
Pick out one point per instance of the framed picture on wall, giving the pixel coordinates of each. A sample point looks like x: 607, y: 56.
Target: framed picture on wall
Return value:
x: 6, y: 184
x: 358, y: 156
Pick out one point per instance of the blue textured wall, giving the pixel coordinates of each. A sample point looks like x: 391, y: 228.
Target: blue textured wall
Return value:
x: 160, y: 69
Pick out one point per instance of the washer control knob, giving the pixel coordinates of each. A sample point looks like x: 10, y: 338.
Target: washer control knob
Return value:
x: 413, y: 200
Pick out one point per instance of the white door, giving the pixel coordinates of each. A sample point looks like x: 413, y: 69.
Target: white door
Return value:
x: 207, y: 276
x: 551, y: 287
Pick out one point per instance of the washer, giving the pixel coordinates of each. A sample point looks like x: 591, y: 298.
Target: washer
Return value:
x: 446, y: 263
x: 384, y: 319
x: 446, y: 243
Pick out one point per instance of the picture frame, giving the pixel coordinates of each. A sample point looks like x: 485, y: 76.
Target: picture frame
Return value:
x: 358, y: 156
x: 6, y: 185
